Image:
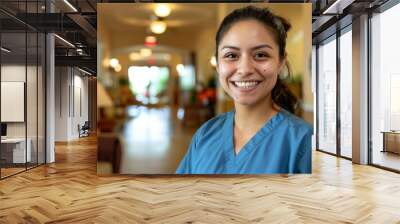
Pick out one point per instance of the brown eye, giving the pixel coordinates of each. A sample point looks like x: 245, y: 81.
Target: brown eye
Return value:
x: 261, y: 55
x: 230, y: 56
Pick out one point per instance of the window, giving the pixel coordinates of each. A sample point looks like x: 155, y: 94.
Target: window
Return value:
x: 148, y: 83
x: 346, y: 93
x: 327, y: 96
x: 385, y: 88
x: 22, y: 67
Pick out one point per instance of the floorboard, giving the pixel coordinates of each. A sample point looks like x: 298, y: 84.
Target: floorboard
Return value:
x: 69, y: 191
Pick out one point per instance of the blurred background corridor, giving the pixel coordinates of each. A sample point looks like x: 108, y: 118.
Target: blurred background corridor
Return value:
x: 157, y: 81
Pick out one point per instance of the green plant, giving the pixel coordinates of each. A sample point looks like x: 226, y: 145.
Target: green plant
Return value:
x: 123, y: 81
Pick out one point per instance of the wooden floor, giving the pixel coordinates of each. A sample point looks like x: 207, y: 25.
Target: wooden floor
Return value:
x: 5, y: 172
x: 154, y: 142
x: 387, y: 159
x: 69, y: 191
x: 10, y: 171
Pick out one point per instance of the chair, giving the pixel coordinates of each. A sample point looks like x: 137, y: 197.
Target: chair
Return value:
x: 109, y: 153
x: 84, y: 130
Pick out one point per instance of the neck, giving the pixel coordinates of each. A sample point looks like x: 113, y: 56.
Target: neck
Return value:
x: 252, y: 118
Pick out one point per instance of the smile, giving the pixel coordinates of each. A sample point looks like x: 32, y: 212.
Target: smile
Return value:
x: 246, y: 84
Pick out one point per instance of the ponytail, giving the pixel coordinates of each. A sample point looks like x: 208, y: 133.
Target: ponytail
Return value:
x: 283, y: 96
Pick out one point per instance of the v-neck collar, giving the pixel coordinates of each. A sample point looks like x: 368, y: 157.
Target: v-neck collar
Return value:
x: 228, y: 129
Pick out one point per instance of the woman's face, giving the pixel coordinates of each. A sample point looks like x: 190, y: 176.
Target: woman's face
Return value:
x: 248, y: 62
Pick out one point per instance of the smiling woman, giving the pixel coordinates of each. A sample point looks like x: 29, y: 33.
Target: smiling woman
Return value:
x: 261, y: 135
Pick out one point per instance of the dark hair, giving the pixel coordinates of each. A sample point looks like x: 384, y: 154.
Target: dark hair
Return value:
x: 279, y: 26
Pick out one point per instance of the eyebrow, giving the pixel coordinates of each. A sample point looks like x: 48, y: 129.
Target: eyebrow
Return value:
x: 253, y: 48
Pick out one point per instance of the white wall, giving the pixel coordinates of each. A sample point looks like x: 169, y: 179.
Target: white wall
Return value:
x: 33, y: 127
x: 61, y: 103
x: 12, y: 73
x: 71, y: 93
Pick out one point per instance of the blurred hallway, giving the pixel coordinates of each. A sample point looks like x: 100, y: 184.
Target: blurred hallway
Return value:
x: 153, y: 141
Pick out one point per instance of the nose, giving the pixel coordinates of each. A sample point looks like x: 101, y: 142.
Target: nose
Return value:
x: 245, y: 66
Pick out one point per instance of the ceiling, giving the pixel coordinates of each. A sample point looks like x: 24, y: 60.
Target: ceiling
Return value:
x: 80, y: 27
x: 77, y: 27
x: 138, y: 16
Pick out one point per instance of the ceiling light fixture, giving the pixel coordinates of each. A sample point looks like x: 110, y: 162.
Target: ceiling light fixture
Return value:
x: 158, y: 27
x: 213, y: 61
x: 145, y: 52
x: 118, y: 68
x: 162, y: 10
x: 70, y: 5
x: 79, y: 44
x: 337, y: 7
x: 134, y: 56
x: 5, y: 50
x: 114, y: 62
x: 64, y: 40
x: 84, y: 71
x: 150, y: 41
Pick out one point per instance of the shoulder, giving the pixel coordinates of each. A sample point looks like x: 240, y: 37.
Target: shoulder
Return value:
x: 214, y: 125
x: 296, y: 124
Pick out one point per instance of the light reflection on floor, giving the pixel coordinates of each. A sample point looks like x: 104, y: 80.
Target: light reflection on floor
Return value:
x: 153, y: 141
x: 386, y: 159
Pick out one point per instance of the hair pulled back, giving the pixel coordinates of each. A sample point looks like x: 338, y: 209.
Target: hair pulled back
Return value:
x: 281, y: 95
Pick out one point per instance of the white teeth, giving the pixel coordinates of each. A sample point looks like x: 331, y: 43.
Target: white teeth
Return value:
x: 246, y: 84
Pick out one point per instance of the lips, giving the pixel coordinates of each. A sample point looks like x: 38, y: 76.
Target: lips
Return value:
x: 246, y: 85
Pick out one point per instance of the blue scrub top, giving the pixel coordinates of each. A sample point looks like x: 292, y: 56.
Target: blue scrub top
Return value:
x: 282, y: 145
